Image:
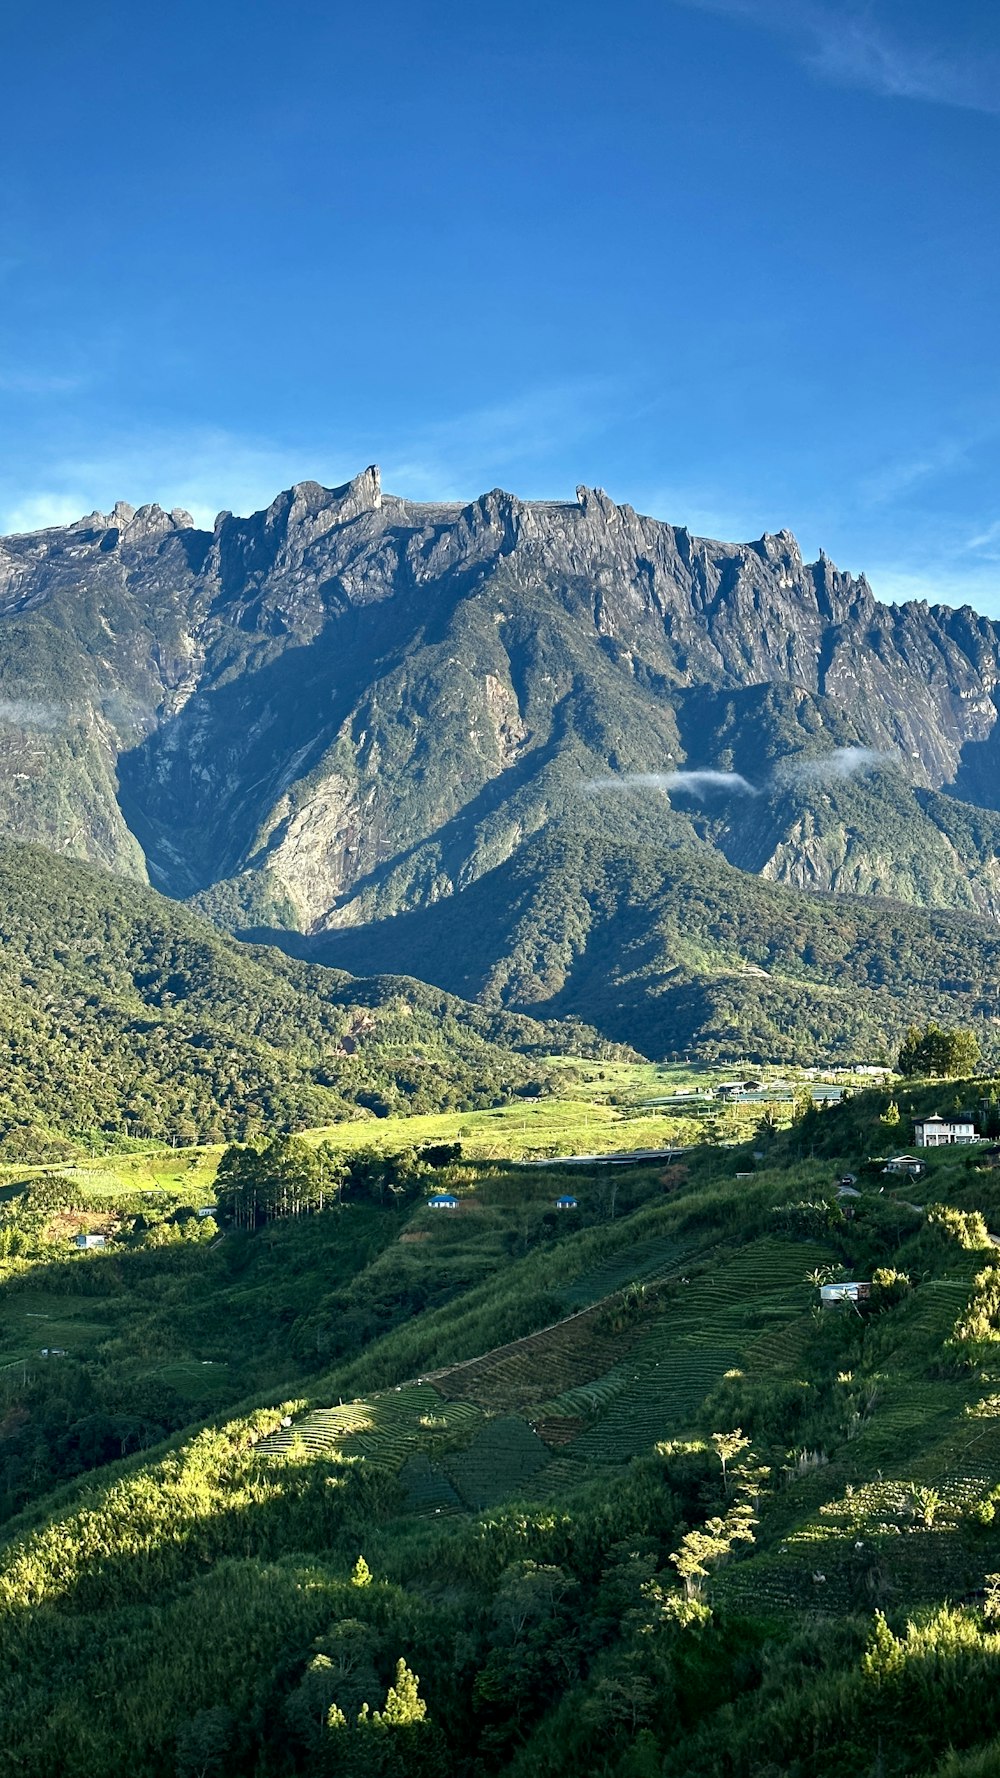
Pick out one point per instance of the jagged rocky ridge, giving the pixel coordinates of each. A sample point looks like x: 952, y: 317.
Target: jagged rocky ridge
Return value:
x: 352, y: 704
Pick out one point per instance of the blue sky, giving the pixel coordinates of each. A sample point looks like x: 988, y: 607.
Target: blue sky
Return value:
x: 737, y: 261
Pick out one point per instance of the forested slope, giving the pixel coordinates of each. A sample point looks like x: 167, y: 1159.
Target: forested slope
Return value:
x: 673, y: 950
x: 122, y: 1013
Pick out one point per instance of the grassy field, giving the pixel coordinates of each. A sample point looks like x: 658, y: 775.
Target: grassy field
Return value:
x: 601, y: 1107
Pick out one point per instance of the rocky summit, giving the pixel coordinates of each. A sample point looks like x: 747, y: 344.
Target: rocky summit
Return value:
x: 352, y: 705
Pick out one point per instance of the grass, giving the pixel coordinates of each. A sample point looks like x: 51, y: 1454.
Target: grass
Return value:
x: 600, y: 1107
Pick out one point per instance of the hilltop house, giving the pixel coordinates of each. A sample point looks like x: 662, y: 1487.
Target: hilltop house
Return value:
x: 906, y: 1163
x: 942, y: 1132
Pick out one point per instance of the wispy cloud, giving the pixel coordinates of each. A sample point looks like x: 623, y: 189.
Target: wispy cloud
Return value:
x: 38, y: 382
x: 26, y: 713
x: 202, y: 470
x: 697, y: 783
x: 832, y: 768
x: 837, y: 766
x: 459, y: 457
x: 205, y: 469
x: 848, y: 46
x: 706, y: 511
x: 986, y: 542
x: 894, y: 479
x: 938, y: 581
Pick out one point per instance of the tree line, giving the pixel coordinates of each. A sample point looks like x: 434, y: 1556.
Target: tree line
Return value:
x: 292, y: 1177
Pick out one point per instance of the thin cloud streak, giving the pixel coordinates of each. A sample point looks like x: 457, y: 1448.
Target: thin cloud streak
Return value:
x: 25, y: 713
x: 696, y: 782
x: 848, y: 48
x: 833, y: 768
x: 837, y: 766
x: 206, y: 469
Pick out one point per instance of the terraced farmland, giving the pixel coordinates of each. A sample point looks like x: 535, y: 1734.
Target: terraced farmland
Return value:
x: 427, y: 1489
x: 500, y: 1462
x: 386, y: 1429
x: 525, y: 1371
x: 594, y: 1395
x: 711, y: 1325
x: 660, y: 1400
x: 640, y: 1264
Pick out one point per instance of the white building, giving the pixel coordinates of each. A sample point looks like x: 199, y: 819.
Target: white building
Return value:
x: 848, y: 1292
x: 906, y: 1163
x: 942, y: 1132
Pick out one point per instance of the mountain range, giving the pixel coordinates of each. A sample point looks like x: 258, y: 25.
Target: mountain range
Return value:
x: 335, y: 720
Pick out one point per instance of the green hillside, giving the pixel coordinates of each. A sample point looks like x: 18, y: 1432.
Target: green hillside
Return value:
x: 124, y: 1015
x: 492, y: 1459
x: 676, y: 950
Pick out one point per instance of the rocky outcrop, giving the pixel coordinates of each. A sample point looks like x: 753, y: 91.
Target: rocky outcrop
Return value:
x: 374, y: 699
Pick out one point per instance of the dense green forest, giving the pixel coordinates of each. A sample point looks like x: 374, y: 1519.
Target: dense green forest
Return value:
x: 123, y: 1015
x: 674, y: 950
x: 514, y: 1490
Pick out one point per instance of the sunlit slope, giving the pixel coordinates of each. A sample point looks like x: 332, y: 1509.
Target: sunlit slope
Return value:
x: 125, y: 1015
x: 556, y: 1412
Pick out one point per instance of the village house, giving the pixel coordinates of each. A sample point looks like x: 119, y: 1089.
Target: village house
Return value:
x: 942, y: 1132
x: 86, y: 1242
x: 443, y: 1201
x: 909, y: 1164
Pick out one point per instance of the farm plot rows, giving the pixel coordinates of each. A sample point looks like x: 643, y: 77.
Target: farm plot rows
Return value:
x: 500, y: 1462
x: 601, y: 1397
x: 559, y: 1477
x: 782, y: 1346
x: 535, y: 1368
x: 641, y: 1264
x: 427, y: 1490
x: 385, y: 1429
x: 669, y: 1381
x: 571, y: 1353
x: 711, y: 1327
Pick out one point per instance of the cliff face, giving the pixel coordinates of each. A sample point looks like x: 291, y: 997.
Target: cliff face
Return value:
x: 351, y: 704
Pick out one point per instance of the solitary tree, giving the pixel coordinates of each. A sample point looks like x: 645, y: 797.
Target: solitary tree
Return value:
x: 729, y: 1445
x: 403, y: 1703
x: 939, y: 1053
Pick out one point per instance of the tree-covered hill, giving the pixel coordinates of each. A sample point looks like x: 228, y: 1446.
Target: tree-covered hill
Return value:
x: 609, y: 1497
x: 674, y: 949
x: 124, y: 1014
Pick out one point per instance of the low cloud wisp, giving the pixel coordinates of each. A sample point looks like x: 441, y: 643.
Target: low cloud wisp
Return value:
x: 26, y: 713
x: 833, y: 768
x: 697, y: 782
